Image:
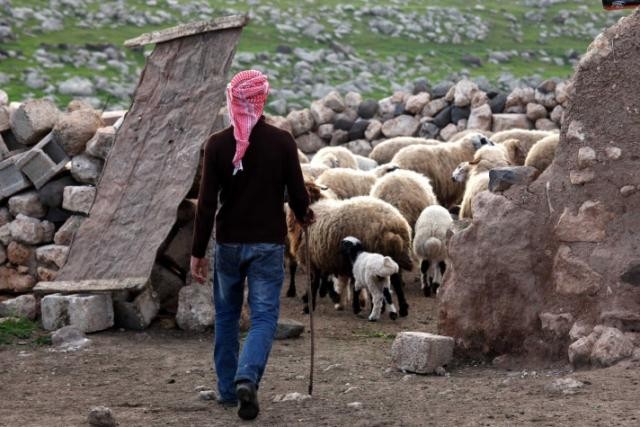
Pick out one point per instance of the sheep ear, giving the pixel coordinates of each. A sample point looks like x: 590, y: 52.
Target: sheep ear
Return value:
x: 474, y: 162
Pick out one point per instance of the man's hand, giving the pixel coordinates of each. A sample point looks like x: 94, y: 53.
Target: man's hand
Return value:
x: 309, y: 218
x: 199, y: 269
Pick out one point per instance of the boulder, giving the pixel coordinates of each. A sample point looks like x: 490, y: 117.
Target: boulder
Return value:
x: 20, y: 254
x: 573, y: 276
x: 73, y: 130
x: 503, y: 178
x: 301, y: 121
x: 434, y: 106
x: 368, y: 108
x: 464, y: 92
x: 535, y: 111
x: 101, y: 416
x: 557, y: 325
x: 27, y: 230
x: 78, y: 198
x: 610, y: 347
x: 352, y: 100
x: 195, y: 308
x: 139, y: 313
x: 588, y: 225
x: 334, y: 101
x: 321, y: 113
x: 416, y: 103
x: 421, y: 352
x: 358, y: 130
x: 310, y: 143
x: 374, y: 130
x: 28, y: 204
x: 166, y: 285
x: 33, y: 119
x: 545, y: 124
x: 69, y: 338
x: 403, y: 125
x: 447, y: 132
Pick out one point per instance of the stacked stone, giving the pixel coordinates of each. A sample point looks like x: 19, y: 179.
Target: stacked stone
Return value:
x: 438, y: 112
x: 50, y: 163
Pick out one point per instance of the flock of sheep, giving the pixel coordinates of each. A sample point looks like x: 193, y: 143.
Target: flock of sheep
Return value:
x: 378, y: 216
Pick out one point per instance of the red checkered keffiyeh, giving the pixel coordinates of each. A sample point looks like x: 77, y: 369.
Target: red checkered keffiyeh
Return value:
x: 246, y: 95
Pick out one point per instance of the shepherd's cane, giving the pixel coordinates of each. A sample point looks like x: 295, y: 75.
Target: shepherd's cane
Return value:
x: 310, y: 302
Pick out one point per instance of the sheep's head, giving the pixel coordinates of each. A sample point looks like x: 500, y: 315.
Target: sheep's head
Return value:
x: 461, y: 173
x: 350, y: 247
x: 478, y: 140
x: 331, y: 160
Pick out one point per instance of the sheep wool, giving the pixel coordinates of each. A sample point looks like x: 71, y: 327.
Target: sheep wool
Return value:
x: 526, y: 139
x: 543, y: 152
x: 384, y: 151
x: 311, y: 171
x: 475, y: 184
x: 437, y: 162
x: 430, y: 246
x: 335, y: 157
x: 409, y: 191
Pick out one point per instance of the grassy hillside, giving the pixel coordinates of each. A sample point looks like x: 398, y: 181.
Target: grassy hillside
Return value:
x: 547, y: 34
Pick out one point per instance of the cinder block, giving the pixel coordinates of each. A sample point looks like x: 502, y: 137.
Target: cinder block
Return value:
x: 44, y: 161
x: 139, y: 313
x: 89, y: 313
x: 421, y: 352
x: 12, y: 180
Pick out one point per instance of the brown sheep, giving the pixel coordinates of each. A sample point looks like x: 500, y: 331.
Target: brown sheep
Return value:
x: 347, y: 183
x: 384, y: 152
x: 335, y: 157
x: 543, y: 152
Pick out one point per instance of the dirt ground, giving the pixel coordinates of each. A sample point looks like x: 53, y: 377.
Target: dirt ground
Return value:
x: 150, y: 378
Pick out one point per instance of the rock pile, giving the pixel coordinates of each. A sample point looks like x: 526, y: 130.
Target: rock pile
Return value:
x: 550, y: 269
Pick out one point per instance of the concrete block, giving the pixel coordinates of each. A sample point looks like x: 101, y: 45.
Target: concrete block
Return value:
x: 139, y: 313
x: 12, y: 180
x: 421, y: 352
x: 43, y: 162
x: 89, y: 313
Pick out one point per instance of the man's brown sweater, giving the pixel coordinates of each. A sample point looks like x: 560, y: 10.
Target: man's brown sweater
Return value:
x: 252, y: 200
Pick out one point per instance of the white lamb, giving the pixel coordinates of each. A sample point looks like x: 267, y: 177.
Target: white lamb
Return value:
x: 371, y: 271
x: 430, y: 246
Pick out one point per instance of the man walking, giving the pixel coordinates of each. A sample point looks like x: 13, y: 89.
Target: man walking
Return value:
x: 248, y: 166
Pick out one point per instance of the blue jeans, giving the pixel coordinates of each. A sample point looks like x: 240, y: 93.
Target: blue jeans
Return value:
x: 262, y: 264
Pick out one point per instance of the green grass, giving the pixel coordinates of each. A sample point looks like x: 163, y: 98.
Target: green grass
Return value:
x: 368, y: 334
x: 262, y: 38
x: 22, y: 331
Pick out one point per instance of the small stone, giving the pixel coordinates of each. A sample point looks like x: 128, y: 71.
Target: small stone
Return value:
x: 440, y: 371
x: 546, y: 124
x: 535, y: 111
x: 556, y: 114
x: 368, y: 108
x: 86, y: 169
x: 207, y: 395
x: 403, y: 125
x: 352, y: 100
x: 613, y: 153
x: 65, y: 234
x: 572, y: 276
x: 421, y: 352
x: 46, y: 274
x: 580, y: 351
x: 321, y: 113
x: 565, y: 386
x: 78, y: 198
x: 73, y: 130
x: 557, y: 324
x: 334, y: 101
x: 325, y: 131
x: 89, y: 313
x: 27, y: 204
x: 301, y: 122
x: 100, y: 144
x: 582, y: 177
x: 503, y: 178
x: 480, y: 118
x: 195, y: 308
x: 579, y: 330
x: 22, y: 306
x: 355, y: 405
x: 27, y: 230
x: 611, y: 347
x: 288, y: 329
x: 463, y: 93
x: 69, y: 338
x: 52, y: 255
x: 19, y: 254
x: 416, y: 103
x: 586, y: 157
x: 33, y: 119
x: 293, y: 397
x: 627, y: 190
x: 434, y: 107
x: 575, y: 132
x: 101, y: 416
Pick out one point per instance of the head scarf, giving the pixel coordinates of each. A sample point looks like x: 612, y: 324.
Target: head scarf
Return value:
x: 246, y: 96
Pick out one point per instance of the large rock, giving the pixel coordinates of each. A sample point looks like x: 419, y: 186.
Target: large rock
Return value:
x: 167, y: 285
x: 534, y: 270
x: 321, y: 113
x: 22, y: 306
x: 510, y: 121
x: 27, y: 230
x: 78, y: 198
x: 368, y: 108
x: 464, y: 92
x: 73, y: 130
x: 88, y: 313
x: 28, y: 204
x: 301, y: 121
x: 334, y: 101
x: 33, y: 120
x: 195, y: 308
x: 100, y: 144
x: 610, y: 347
x: 403, y: 125
x: 421, y: 352
x: 416, y: 103
x: 20, y: 254
x: 52, y: 255
x: 480, y: 118
x: 12, y: 280
x: 310, y: 143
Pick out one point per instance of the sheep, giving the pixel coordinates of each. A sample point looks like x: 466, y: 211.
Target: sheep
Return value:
x: 437, y: 162
x: 371, y: 271
x: 377, y: 224
x: 409, y: 191
x: 311, y: 171
x: 432, y: 230
x: 543, y: 152
x: 365, y: 163
x: 302, y: 158
x: 475, y: 184
x: 458, y: 136
x: 526, y: 140
x: 347, y: 183
x: 335, y: 157
x: 461, y: 172
x: 384, y: 151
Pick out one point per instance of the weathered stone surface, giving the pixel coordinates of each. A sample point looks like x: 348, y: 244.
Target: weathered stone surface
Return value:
x: 589, y: 225
x: 27, y: 204
x: 622, y: 319
x: 86, y: 169
x: 167, y: 286
x: 421, y: 352
x: 325, y: 131
x: 46, y: 274
x: 20, y: 254
x: 448, y: 131
x: 309, y: 143
x: 374, y: 130
x: 52, y: 255
x: 101, y: 416
x: 403, y: 125
x: 321, y: 113
x: 368, y: 108
x: 334, y: 101
x: 480, y: 118
x: 27, y: 230
x: 613, y: 153
x: 195, y: 308
x: 22, y: 306
x: 557, y: 114
x: 564, y: 386
x: 139, y: 313
x: 518, y: 99
x: 73, y: 130
x: 503, y: 178
x: 433, y: 107
x: 558, y: 325
x: 288, y: 328
x: 573, y: 276
x: 464, y: 92
x: 51, y: 193
x: 78, y: 198
x: 535, y: 111
x: 69, y: 338
x: 100, y: 144
x: 586, y: 157
x: 545, y: 124
x: 610, y: 347
x: 416, y: 103
x: 580, y: 351
x: 33, y: 120
x: 580, y: 177
x: 510, y: 121
x: 13, y: 280
x: 301, y: 121
x: 579, y: 330
x: 352, y: 100
x: 65, y: 234
x: 89, y: 313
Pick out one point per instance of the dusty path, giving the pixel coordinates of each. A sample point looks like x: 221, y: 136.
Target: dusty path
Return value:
x: 150, y: 378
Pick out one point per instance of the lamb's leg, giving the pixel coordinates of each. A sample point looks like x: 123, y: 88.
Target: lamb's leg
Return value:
x: 293, y: 268
x: 325, y: 284
x: 396, y: 282
x: 355, y: 300
x: 376, y: 302
x: 424, y: 283
x: 340, y: 287
x: 335, y: 297
x: 393, y: 314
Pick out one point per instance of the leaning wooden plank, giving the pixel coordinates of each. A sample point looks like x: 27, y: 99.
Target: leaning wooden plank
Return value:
x: 70, y: 287
x: 154, y: 159
x: 223, y: 23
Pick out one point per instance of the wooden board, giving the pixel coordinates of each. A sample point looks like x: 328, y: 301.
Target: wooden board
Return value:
x: 153, y: 162
x: 75, y: 286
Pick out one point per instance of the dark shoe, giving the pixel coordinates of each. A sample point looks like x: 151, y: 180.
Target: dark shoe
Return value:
x: 227, y: 403
x: 248, y: 397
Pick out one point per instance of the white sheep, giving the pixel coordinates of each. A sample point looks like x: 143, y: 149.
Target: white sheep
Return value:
x: 347, y: 183
x: 543, y: 152
x: 335, y: 157
x: 430, y: 246
x: 475, y: 184
x: 437, y: 162
x: 371, y: 271
x: 365, y: 163
x: 525, y: 140
x: 384, y: 151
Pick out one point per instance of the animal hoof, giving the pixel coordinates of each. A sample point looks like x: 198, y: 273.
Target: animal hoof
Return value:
x: 372, y: 319
x: 426, y: 291
x: 338, y: 307
x: 305, y: 310
x: 404, y: 311
x: 393, y: 316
